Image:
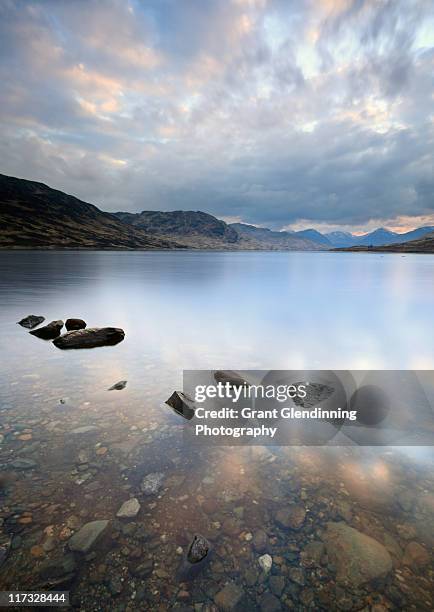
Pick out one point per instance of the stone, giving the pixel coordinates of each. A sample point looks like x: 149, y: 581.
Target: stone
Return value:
x: 5, y: 546
x: 23, y: 464
x: 90, y: 338
x: 229, y: 597
x: 292, y: 517
x: 260, y: 541
x: 118, y: 386
x: 52, y: 569
x: 48, y: 332
x: 74, y: 324
x: 86, y: 429
x: 129, y: 509
x: 415, y: 555
x: 277, y: 584
x: 265, y: 561
x: 152, y: 483
x: 358, y: 558
x: 182, y: 404
x: 296, y: 575
x: 31, y: 321
x: 406, y: 500
x: 199, y: 549
x: 269, y: 603
x: 86, y: 537
x: 311, y: 554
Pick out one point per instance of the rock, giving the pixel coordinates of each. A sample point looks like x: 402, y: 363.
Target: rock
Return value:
x: 265, y: 561
x: 129, y: 509
x: 406, y: 500
x: 90, y: 338
x: 358, y: 558
x: 296, y: 575
x: 291, y: 518
x: 228, y: 376
x: 260, y: 541
x: 152, y: 483
x: 311, y: 554
x: 23, y: 464
x: 57, y: 567
x: 86, y: 429
x: 229, y: 597
x: 74, y: 324
x: 199, y: 549
x: 118, y: 386
x: 31, y: 321
x: 5, y: 546
x: 182, y: 404
x: 48, y: 332
x: 415, y: 555
x: 85, y: 538
x: 277, y: 584
x: 269, y: 603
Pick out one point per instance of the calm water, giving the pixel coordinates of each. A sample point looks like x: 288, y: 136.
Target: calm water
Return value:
x: 210, y: 311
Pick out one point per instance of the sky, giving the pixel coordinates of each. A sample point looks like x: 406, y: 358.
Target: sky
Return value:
x: 282, y: 113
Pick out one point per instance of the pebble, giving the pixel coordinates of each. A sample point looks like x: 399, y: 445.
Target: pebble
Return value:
x: 266, y: 561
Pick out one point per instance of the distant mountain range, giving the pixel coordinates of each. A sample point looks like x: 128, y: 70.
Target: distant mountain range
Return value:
x: 35, y: 216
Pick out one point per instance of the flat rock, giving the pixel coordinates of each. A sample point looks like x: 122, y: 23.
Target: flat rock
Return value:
x: 48, y: 332
x: 129, y: 509
x: 31, y: 321
x: 269, y: 603
x: 91, y: 337
x: 415, y: 555
x: 52, y: 569
x: 23, y: 464
x: 260, y: 541
x: 118, y: 386
x: 182, y: 404
x: 73, y: 324
x: 199, y: 549
x: 358, y: 558
x: 85, y: 538
x: 152, y: 483
x: 229, y: 596
x: 86, y: 429
x: 292, y: 517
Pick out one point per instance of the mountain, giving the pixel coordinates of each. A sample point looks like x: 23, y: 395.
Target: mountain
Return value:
x: 421, y: 245
x: 377, y: 237
x: 264, y: 238
x: 341, y: 239
x: 380, y: 236
x: 315, y: 236
x: 191, y: 228
x: 32, y: 215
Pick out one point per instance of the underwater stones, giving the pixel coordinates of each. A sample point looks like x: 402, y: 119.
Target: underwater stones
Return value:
x: 415, y: 555
x: 74, y: 324
x: 86, y: 429
x: 48, y: 332
x: 152, y: 483
x: 292, y: 517
x: 53, y: 569
x: 265, y: 562
x: 86, y: 537
x: 91, y: 337
x: 23, y: 464
x: 260, y: 541
x: 5, y: 546
x: 129, y: 509
x: 229, y: 597
x: 199, y: 549
x: 358, y: 558
x: 31, y: 321
x: 118, y: 386
x: 269, y: 603
x: 182, y: 404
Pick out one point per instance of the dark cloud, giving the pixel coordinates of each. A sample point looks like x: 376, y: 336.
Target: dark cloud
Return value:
x: 274, y: 112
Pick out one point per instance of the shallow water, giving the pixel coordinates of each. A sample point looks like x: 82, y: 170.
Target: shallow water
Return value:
x: 210, y: 311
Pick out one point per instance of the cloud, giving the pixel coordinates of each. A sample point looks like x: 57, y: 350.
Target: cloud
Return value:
x: 277, y: 113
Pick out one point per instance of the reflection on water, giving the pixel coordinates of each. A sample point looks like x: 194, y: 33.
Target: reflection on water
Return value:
x: 208, y: 310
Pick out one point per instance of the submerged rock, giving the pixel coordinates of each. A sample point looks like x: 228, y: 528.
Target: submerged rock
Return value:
x: 48, y: 332
x: 358, y: 558
x: 86, y: 429
x: 118, y: 386
x: 90, y: 338
x: 23, y: 464
x: 152, y: 483
x: 73, y: 324
x: 182, y: 404
x: 266, y: 562
x: 415, y: 555
x: 198, y: 550
x: 229, y: 597
x: 129, y: 509
x: 85, y: 538
x: 31, y: 321
x: 51, y: 569
x: 291, y: 517
x: 5, y: 547
x: 228, y: 376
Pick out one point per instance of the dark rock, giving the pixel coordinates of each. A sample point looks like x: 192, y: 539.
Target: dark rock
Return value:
x: 227, y: 376
x: 48, y: 332
x: 144, y: 569
x: 31, y: 321
x: 415, y: 555
x: 229, y: 597
x: 118, y: 386
x: 5, y: 547
x: 292, y: 517
x: 296, y: 575
x: 85, y: 538
x: 269, y: 603
x: 199, y: 549
x: 74, y: 324
x: 260, y: 541
x: 182, y: 404
x: 311, y: 554
x: 57, y: 567
x: 90, y: 338
x: 23, y: 464
x: 277, y: 584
